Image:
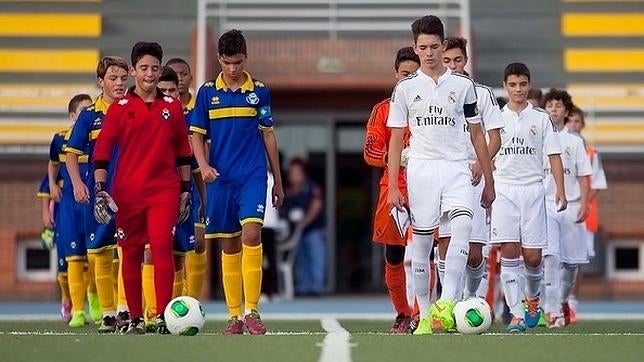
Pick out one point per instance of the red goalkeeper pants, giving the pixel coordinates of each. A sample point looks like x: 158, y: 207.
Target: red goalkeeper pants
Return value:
x: 149, y: 221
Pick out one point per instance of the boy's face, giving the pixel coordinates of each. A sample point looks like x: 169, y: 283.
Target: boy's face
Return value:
x: 429, y: 49
x: 169, y: 88
x: 455, y: 60
x: 406, y: 68
x: 79, y: 107
x: 575, y: 123
x: 146, y: 73
x: 185, y: 77
x: 232, y: 66
x: 557, y: 109
x: 114, y: 82
x: 517, y: 87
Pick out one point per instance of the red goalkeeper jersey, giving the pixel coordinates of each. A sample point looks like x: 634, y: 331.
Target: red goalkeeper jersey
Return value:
x: 150, y: 139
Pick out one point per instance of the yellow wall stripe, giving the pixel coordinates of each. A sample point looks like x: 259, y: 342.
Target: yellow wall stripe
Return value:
x: 604, y: 60
x: 602, y: 24
x: 49, y: 61
x: 232, y: 112
x: 50, y: 25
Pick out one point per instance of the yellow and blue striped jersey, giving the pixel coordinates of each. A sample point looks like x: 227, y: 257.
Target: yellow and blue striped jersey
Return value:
x: 233, y: 121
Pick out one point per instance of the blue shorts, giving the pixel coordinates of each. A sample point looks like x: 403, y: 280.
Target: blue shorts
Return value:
x: 61, y: 263
x: 98, y: 237
x: 229, y: 207
x: 71, y: 234
x: 184, y: 234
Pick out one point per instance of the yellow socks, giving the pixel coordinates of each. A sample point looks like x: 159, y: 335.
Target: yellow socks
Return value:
x: 149, y: 294
x: 121, y: 301
x: 195, y: 273
x: 77, y: 289
x: 231, y: 266
x: 63, y: 284
x: 103, y: 271
x: 177, y: 284
x: 252, y: 274
x: 90, y: 275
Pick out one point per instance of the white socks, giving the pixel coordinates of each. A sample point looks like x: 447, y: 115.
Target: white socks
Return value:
x: 423, y: 241
x: 456, y: 257
x: 473, y: 277
x: 510, y: 271
x: 533, y: 278
x: 568, y: 280
x: 552, y: 278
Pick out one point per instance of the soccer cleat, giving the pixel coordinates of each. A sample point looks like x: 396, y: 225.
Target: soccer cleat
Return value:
x: 516, y: 325
x: 160, y: 325
x: 122, y: 321
x: 424, y: 327
x: 532, y: 312
x: 234, y: 326
x: 401, y: 325
x: 542, y: 320
x: 567, y: 312
x: 443, y: 311
x: 150, y: 322
x: 95, y: 310
x: 254, y: 323
x: 108, y: 325
x: 78, y: 319
x: 66, y: 311
x: 555, y: 320
x: 413, y: 323
x: 136, y: 326
x: 573, y: 317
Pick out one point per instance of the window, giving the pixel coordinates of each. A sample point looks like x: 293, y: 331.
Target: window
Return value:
x: 34, y: 263
x: 624, y: 260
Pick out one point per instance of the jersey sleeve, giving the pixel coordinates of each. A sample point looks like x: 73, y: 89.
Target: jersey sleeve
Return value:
x: 181, y: 143
x: 598, y: 177
x: 264, y: 113
x: 582, y: 162
x: 375, y: 147
x: 199, y: 118
x: 79, y: 134
x: 43, y: 189
x: 398, y: 110
x: 551, y: 142
x: 108, y: 138
x: 489, y: 109
x: 55, y: 148
x: 470, y: 110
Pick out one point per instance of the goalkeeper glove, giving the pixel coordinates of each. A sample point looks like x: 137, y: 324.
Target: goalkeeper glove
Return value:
x: 404, y: 157
x: 104, y: 206
x: 47, y: 237
x: 185, y: 203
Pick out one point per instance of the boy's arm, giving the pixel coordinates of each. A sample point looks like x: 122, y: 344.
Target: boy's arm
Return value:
x: 270, y: 144
x: 52, y: 173
x: 394, y: 197
x: 584, y: 189
x: 375, y: 147
x: 557, y: 172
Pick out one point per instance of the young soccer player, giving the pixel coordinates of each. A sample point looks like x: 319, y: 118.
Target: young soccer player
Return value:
x: 519, y: 216
x: 237, y: 107
x: 566, y: 231
x: 384, y: 230
x: 436, y: 104
x: 455, y: 58
x: 196, y: 260
x: 99, y: 243
x: 576, y: 123
x: 149, y: 131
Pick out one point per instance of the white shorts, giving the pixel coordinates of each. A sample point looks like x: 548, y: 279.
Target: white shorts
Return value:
x: 436, y: 187
x: 480, y: 227
x: 519, y: 215
x: 590, y: 243
x: 566, y: 238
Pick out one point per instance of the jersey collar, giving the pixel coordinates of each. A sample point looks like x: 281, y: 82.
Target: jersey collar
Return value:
x: 247, y: 86
x: 191, y: 102
x: 100, y: 105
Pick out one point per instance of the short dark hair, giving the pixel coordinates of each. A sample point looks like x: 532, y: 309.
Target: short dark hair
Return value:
x: 516, y: 69
x: 535, y: 93
x: 178, y: 61
x: 580, y: 112
x: 143, y: 48
x: 76, y: 100
x: 559, y: 95
x: 430, y: 25
x: 405, y: 54
x: 169, y: 75
x: 453, y: 42
x: 109, y: 61
x: 232, y: 42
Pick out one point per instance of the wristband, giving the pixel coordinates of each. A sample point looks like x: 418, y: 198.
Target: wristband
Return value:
x: 185, y: 186
x: 100, y: 186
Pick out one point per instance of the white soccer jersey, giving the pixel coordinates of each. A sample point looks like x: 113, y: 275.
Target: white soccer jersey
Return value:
x: 490, y: 116
x: 575, y: 164
x: 525, y: 138
x: 598, y: 178
x: 435, y: 114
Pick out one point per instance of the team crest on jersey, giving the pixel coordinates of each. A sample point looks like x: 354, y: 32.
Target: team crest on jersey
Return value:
x: 252, y: 98
x: 568, y: 151
x: 165, y: 114
x: 120, y: 234
x: 451, y: 97
x: 495, y: 232
x: 533, y: 130
x: 214, y: 100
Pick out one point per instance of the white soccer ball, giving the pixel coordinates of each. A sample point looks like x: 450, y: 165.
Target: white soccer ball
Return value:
x: 184, y: 316
x: 473, y: 316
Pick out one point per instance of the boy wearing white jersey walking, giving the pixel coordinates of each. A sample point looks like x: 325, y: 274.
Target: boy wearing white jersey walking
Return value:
x: 519, y: 216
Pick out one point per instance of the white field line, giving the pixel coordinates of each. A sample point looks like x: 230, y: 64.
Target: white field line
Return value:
x: 336, y: 346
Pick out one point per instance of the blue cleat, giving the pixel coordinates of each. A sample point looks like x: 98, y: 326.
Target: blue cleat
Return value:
x: 532, y: 312
x: 517, y: 325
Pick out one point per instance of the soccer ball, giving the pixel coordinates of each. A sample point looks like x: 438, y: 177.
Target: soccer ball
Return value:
x: 184, y: 316
x: 473, y: 316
